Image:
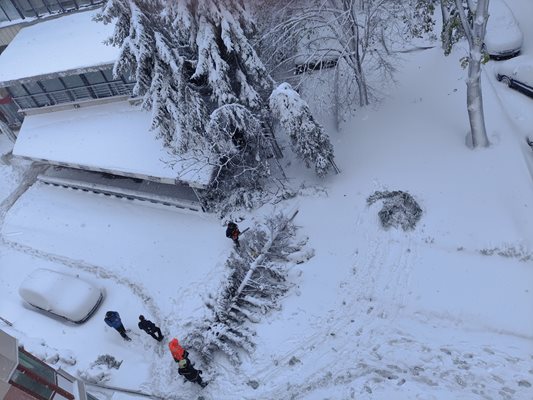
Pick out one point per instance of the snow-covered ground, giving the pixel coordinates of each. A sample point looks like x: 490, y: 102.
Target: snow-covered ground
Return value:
x: 441, y: 312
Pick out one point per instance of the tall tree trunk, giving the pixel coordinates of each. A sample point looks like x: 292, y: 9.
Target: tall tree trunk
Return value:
x: 356, y: 54
x: 474, y: 98
x: 475, y: 35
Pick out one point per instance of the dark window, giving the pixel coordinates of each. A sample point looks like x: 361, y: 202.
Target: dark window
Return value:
x: 25, y: 381
x: 94, y: 77
x: 17, y: 91
x: 67, y: 4
x: 33, y: 88
x: 73, y: 81
x: 53, y: 6
x: 8, y: 12
x: 26, y: 7
x: 37, y: 367
x: 109, y: 75
x: 52, y: 85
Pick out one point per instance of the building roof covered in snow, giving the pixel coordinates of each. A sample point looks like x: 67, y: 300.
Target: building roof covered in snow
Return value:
x: 57, y: 47
x: 113, y: 137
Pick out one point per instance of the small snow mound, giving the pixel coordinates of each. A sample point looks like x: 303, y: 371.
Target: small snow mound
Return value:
x: 99, y: 370
x: 399, y: 209
x: 95, y: 374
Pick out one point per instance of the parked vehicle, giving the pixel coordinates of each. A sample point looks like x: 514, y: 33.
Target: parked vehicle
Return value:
x: 65, y: 296
x: 503, y: 38
x: 517, y: 74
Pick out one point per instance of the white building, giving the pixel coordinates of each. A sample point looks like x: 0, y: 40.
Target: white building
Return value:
x: 67, y: 110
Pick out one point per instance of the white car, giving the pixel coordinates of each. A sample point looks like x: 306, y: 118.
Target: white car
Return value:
x: 503, y: 38
x: 62, y: 295
x: 517, y: 74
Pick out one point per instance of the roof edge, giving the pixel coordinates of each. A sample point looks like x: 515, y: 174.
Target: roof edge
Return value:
x: 74, y: 71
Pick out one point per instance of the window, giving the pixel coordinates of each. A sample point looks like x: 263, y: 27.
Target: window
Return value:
x: 32, y: 374
x: 51, y: 85
x: 72, y: 81
x: 17, y: 91
x: 26, y: 8
x: 109, y: 75
x: 8, y: 12
x: 53, y: 6
x: 23, y: 380
x: 68, y: 4
x: 36, y: 366
x: 39, y: 379
x: 94, y: 77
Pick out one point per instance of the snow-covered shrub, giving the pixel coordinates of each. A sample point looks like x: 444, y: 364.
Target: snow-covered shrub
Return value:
x: 107, y: 360
x: 99, y: 371
x: 40, y: 349
x: 399, y: 209
x: 95, y: 374
x: 308, y: 139
x: 254, y: 286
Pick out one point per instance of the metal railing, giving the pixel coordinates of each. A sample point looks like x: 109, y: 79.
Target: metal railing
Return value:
x: 96, y: 91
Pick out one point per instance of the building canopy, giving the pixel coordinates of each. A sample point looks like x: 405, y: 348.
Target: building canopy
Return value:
x: 112, y: 137
x: 57, y: 47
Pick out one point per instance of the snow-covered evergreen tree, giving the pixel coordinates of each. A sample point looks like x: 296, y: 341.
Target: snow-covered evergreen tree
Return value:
x: 198, y: 72
x: 151, y: 54
x: 219, y: 32
x: 308, y: 139
x: 240, y: 153
x: 257, y: 280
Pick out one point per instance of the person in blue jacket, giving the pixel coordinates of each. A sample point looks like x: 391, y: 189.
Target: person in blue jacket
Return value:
x: 112, y: 318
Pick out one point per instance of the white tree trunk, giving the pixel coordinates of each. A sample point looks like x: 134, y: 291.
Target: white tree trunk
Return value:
x: 474, y: 99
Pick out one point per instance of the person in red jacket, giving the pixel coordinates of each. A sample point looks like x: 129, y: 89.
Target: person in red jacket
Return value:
x: 178, y: 352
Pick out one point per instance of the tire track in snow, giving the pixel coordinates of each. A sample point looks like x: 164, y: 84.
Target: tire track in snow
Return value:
x: 101, y: 272
x: 96, y: 270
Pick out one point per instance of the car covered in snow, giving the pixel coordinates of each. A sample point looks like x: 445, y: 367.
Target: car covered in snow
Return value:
x: 517, y: 74
x: 503, y: 38
x: 65, y: 296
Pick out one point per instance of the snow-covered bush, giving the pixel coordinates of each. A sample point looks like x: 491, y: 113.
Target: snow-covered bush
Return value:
x: 254, y: 286
x: 99, y: 371
x: 308, y: 139
x: 399, y: 209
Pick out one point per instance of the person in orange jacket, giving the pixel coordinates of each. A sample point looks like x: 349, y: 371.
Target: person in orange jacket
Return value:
x: 178, y: 352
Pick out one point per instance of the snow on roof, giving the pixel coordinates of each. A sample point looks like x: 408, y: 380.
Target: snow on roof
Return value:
x: 114, y: 137
x: 57, y: 45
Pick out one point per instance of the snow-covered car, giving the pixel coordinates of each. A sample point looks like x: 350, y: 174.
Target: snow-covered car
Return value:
x: 503, y: 38
x: 517, y: 74
x: 65, y: 296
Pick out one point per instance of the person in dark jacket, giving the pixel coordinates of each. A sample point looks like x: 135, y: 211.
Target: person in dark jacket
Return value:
x: 150, y: 328
x: 186, y: 370
x: 112, y: 318
x: 233, y: 232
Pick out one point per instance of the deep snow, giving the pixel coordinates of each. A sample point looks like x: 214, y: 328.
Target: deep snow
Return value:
x: 441, y: 312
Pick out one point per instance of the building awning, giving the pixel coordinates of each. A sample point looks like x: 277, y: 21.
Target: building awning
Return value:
x: 57, y: 46
x: 113, y: 138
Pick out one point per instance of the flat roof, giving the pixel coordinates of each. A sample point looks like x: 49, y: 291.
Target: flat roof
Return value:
x: 112, y: 137
x: 54, y: 46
